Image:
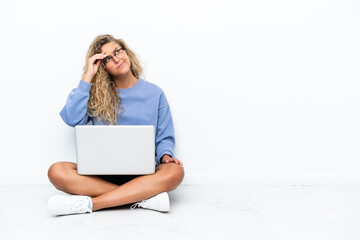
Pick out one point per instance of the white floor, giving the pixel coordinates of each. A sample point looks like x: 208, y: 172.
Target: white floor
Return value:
x: 197, y: 212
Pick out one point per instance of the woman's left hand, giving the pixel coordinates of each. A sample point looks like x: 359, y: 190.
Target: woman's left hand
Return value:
x: 168, y: 159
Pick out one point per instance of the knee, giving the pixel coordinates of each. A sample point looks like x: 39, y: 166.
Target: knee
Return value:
x: 57, y: 174
x: 173, y: 176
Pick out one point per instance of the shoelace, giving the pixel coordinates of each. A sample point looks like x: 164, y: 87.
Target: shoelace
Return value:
x: 143, y: 203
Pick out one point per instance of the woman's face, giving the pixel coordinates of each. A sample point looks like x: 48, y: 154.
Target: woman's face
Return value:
x: 117, y: 61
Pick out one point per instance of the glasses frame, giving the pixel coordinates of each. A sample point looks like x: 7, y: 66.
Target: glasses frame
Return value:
x: 111, y: 57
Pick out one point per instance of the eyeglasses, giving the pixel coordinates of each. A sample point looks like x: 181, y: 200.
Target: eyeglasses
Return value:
x: 117, y: 53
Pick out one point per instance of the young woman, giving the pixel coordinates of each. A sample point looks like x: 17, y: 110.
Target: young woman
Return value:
x: 111, y: 92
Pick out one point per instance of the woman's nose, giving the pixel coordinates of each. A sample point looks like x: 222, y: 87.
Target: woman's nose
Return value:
x: 116, y: 59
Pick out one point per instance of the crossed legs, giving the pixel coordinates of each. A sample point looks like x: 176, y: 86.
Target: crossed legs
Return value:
x: 64, y: 176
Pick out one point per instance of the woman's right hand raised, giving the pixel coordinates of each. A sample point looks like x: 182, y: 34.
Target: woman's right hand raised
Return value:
x: 93, y: 65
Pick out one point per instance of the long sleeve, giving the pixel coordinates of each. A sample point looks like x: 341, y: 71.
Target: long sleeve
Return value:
x: 75, y: 110
x: 165, y: 139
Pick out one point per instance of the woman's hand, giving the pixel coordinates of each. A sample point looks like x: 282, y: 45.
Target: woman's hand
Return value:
x: 167, y: 159
x: 93, y: 65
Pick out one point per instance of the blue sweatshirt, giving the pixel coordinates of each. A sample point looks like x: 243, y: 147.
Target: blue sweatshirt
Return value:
x: 143, y: 104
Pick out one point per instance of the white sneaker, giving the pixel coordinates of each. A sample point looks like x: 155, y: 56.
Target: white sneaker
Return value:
x: 159, y: 203
x: 68, y: 204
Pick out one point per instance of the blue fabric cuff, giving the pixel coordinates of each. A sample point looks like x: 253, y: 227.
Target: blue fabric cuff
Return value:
x: 84, y: 86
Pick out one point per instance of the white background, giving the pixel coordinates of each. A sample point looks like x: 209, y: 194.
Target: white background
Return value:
x: 260, y: 91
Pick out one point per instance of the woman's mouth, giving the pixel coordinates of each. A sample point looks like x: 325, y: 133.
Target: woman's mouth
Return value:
x: 120, y: 65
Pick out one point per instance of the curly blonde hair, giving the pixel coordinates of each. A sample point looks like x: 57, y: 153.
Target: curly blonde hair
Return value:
x: 104, y: 99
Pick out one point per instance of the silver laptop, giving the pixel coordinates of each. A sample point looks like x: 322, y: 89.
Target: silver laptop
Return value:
x: 115, y: 150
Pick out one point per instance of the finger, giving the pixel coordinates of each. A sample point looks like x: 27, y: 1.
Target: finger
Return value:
x: 167, y: 159
x: 99, y: 55
x: 181, y: 164
x: 93, y: 59
x: 175, y: 160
